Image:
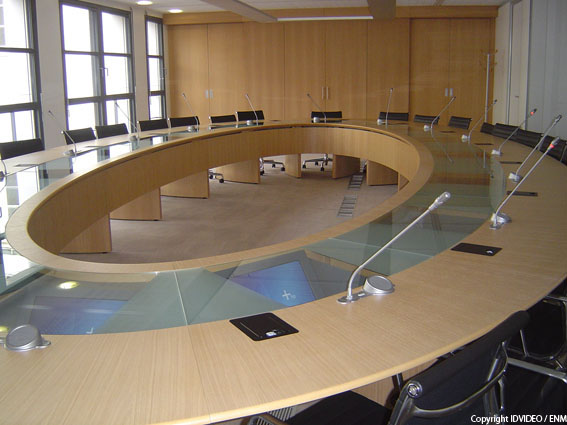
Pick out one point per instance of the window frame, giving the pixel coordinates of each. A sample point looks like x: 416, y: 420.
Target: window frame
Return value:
x: 161, y: 57
x: 100, y: 97
x: 35, y: 85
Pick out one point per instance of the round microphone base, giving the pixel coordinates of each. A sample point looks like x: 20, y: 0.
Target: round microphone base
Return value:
x: 426, y: 127
x: 25, y: 338
x: 515, y: 177
x: 374, y: 285
x: 496, y: 152
x: 316, y: 119
x: 381, y: 121
x: 497, y: 221
x: 192, y: 129
x: 465, y: 138
x: 133, y: 137
x: 70, y: 153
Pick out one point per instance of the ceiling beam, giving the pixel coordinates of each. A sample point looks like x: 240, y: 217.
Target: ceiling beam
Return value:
x: 382, y: 9
x: 242, y: 9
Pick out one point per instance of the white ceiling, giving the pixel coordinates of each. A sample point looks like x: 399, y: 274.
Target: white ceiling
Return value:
x: 163, y: 6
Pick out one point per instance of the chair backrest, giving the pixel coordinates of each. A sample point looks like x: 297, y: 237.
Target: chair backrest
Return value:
x: 21, y: 147
x: 183, y: 121
x: 111, y: 130
x: 459, y: 122
x: 503, y: 130
x: 526, y: 137
x: 331, y: 115
x: 458, y: 387
x: 395, y: 116
x: 249, y: 115
x: 486, y: 128
x: 79, y: 135
x: 217, y: 119
x: 157, y: 124
x: 426, y: 119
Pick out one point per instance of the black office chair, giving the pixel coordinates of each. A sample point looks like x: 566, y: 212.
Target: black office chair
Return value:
x: 449, y: 392
x: 503, y: 130
x: 183, y: 121
x: 79, y: 135
x: 426, y: 119
x: 459, y: 122
x: 21, y: 147
x: 258, y: 115
x: 111, y: 130
x: 486, y: 128
x: 394, y: 116
x: 527, y: 138
x: 157, y: 124
x: 326, y: 116
x: 221, y: 119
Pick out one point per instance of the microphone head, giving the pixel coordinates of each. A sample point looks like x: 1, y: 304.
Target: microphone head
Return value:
x: 557, y: 118
x: 440, y: 200
x: 533, y: 111
x: 391, y: 89
x: 553, y: 143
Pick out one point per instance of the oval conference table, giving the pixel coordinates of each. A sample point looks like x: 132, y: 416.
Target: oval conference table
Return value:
x: 152, y: 343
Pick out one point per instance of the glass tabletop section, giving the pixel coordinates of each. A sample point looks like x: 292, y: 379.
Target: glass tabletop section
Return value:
x: 97, y: 303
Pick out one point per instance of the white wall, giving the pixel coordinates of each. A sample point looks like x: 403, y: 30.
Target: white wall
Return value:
x: 547, y: 75
x: 51, y: 65
x: 537, y: 70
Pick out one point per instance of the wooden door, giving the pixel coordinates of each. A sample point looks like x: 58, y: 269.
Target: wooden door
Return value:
x: 304, y: 68
x: 429, y: 73
x: 471, y: 40
x: 264, y: 67
x: 388, y: 66
x: 227, y: 79
x: 345, y: 65
x: 188, y: 70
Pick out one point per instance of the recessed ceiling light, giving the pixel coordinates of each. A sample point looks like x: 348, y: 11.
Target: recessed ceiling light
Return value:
x: 144, y: 2
x: 175, y: 11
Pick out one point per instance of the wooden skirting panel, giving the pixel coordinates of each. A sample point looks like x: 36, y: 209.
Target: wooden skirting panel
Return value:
x: 193, y: 186
x: 95, y: 239
x: 345, y: 166
x: 146, y: 207
x: 377, y: 174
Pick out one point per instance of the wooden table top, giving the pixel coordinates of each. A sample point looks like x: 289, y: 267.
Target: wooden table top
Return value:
x: 210, y: 372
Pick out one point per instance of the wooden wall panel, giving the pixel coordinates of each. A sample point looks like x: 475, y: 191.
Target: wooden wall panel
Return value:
x: 388, y: 66
x: 429, y: 73
x: 227, y: 76
x: 345, y: 66
x: 470, y: 42
x: 264, y: 60
x: 304, y: 68
x: 188, y: 70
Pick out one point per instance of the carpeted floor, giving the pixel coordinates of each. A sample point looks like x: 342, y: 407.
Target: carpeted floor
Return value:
x: 238, y: 216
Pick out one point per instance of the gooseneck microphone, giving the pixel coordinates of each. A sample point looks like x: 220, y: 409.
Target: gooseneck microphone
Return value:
x: 71, y: 152
x: 132, y: 137
x: 380, y: 122
x: 191, y: 128
x: 377, y: 284
x: 516, y: 177
x: 467, y: 137
x: 499, y: 218
x: 427, y: 127
x: 251, y: 107
x: 498, y: 152
x: 316, y: 119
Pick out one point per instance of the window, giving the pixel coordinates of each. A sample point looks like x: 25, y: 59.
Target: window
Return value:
x: 97, y: 56
x: 19, y: 106
x: 156, y: 68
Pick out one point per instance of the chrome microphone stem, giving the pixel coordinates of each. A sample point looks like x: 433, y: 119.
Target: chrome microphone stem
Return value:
x: 134, y: 126
x: 318, y: 107
x: 426, y: 127
x: 516, y: 176
x: 467, y: 138
x: 440, y: 200
x: 72, y: 152
x: 252, y: 107
x: 497, y: 218
x: 387, y: 109
x: 499, y: 150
